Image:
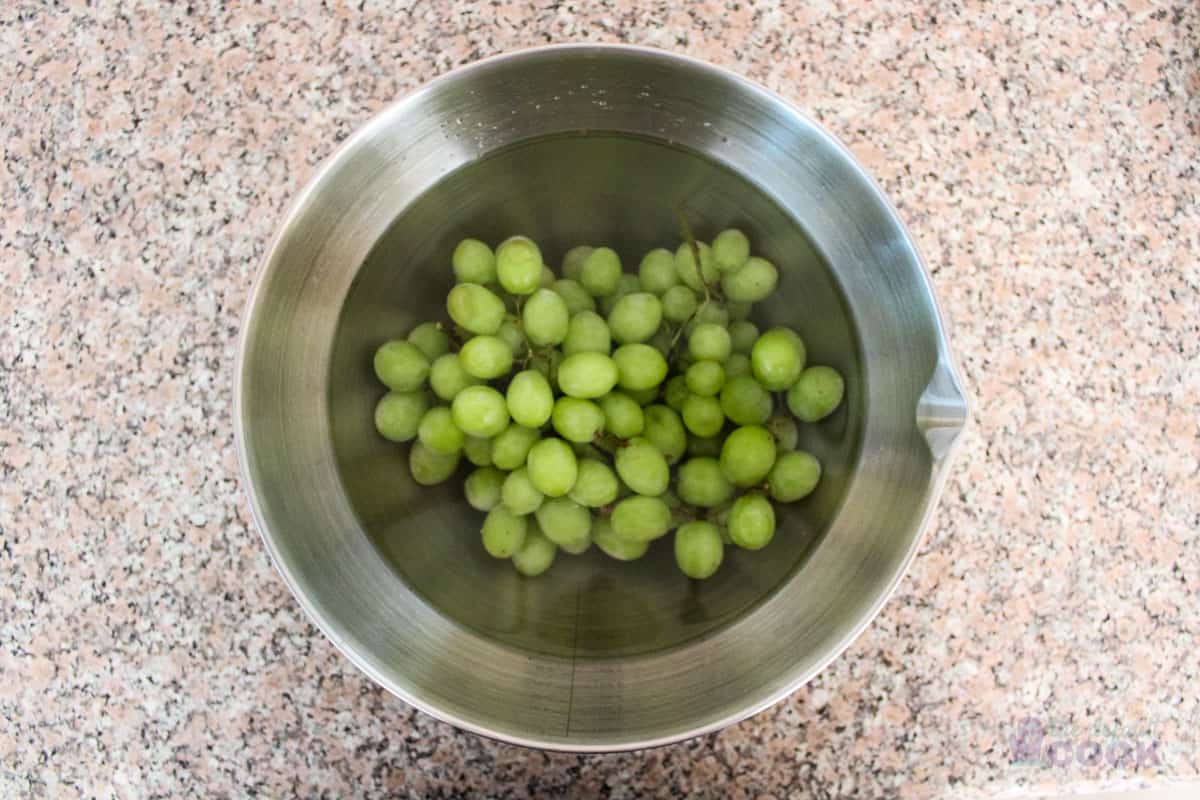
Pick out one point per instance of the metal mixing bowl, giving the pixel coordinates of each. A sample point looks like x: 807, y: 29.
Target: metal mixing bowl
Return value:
x: 585, y: 144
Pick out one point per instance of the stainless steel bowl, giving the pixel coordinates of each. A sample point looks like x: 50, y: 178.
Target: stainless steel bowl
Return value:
x: 601, y: 145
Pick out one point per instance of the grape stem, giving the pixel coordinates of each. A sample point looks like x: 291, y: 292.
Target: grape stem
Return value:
x: 686, y: 230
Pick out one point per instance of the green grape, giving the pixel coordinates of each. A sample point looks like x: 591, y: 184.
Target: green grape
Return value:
x: 574, y: 295
x: 512, y: 336
x: 777, y: 358
x: 794, y: 476
x: 480, y: 411
x: 640, y: 518
x: 730, y: 249
x: 784, y: 429
x: 639, y: 366
x: 643, y: 397
x: 503, y: 532
x: 519, y: 265
x: 635, y: 317
x: 643, y: 467
x: 661, y: 341
x: 719, y: 516
x: 547, y: 363
x: 552, y: 466
x: 577, y: 420
x: 710, y: 313
x: 587, y: 375
x: 748, y: 455
x: 536, y: 554
x: 709, y: 341
x: 566, y: 523
x: 698, y: 549
x: 677, y: 392
x: 587, y: 333
x: 401, y: 365
x: 473, y: 262
x: 486, y: 357
x: 438, y: 431
x: 752, y: 283
x: 702, y: 415
x: 627, y: 284
x: 518, y: 494
x: 657, y: 271
x: 737, y: 365
x: 478, y: 450
x: 816, y: 393
x: 398, y: 415
x: 679, y: 303
x: 529, y: 399
x: 430, y: 340
x: 511, y: 446
x: 665, y: 431
x: 705, y: 378
x: 596, y: 485
x: 745, y: 402
x: 742, y: 335
x: 475, y: 308
x: 705, y: 446
x: 428, y: 466
x: 671, y: 499
x: 601, y: 271
x: 547, y: 278
x: 545, y: 317
x: 482, y: 488
x: 701, y: 483
x: 447, y: 377
x: 572, y: 263
x: 752, y: 522
x: 615, y: 546
x: 623, y: 415
x: 738, y: 311
x: 685, y: 266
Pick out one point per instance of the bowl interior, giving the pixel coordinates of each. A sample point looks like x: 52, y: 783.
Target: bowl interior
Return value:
x: 596, y: 188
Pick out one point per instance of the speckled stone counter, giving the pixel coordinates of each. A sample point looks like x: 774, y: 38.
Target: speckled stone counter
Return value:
x: 1046, y: 161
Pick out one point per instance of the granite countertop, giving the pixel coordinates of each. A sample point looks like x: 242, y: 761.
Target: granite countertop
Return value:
x: 1045, y: 159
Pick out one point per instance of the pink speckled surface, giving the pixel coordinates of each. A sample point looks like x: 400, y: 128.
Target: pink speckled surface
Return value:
x: 1046, y: 161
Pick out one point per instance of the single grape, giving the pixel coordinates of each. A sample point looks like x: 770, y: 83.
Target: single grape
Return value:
x: 482, y: 488
x: 752, y: 283
x: 679, y: 303
x: 641, y: 519
x: 705, y: 378
x: 601, y: 271
x: 545, y: 317
x: 577, y: 420
x: 447, y: 377
x: 639, y: 366
x: 701, y: 483
x: 752, y: 522
x: 587, y: 333
x: 511, y: 335
x: 665, y: 431
x: 428, y: 466
x: 661, y: 341
x: 702, y: 415
x: 547, y: 278
x: 486, y: 357
x: 627, y: 284
x: 547, y: 363
x: 677, y: 392
x: 596, y: 484
x: 529, y: 399
x: 587, y: 375
x: 643, y: 397
x: 730, y: 248
x: 738, y: 311
x: 438, y: 431
x: 480, y: 411
x: 511, y: 446
x: 615, y: 546
x: 816, y: 393
x: 635, y: 317
x: 473, y: 262
x: 478, y: 450
x: 401, y: 365
x: 475, y: 308
x: 794, y: 476
x: 745, y: 402
x: 519, y: 265
x: 742, y: 335
x: 737, y: 365
x: 698, y: 549
x: 503, y: 532
x: 777, y: 358
x: 572, y: 263
x: 710, y: 313
x: 552, y: 466
x: 536, y: 554
x: 576, y: 548
x: 398, y: 415
x: 574, y: 295
x: 748, y: 455
x: 623, y: 415
x: 566, y: 523
x: 709, y: 341
x: 518, y: 494
x: 430, y: 340
x: 685, y: 266
x: 642, y: 467
x: 657, y: 273
x: 706, y: 446
x: 784, y: 429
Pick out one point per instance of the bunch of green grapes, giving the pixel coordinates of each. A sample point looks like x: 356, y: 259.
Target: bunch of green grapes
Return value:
x: 606, y: 407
